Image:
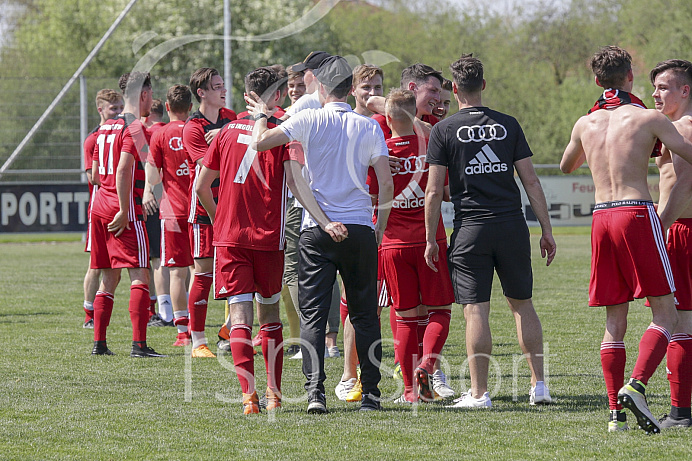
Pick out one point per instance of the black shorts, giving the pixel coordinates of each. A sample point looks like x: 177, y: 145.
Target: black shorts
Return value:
x: 153, y: 224
x: 476, y: 251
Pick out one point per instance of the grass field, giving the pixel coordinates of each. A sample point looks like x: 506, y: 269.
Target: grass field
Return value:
x: 59, y: 402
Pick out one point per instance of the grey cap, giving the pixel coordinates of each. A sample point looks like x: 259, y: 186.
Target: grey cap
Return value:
x: 334, y: 71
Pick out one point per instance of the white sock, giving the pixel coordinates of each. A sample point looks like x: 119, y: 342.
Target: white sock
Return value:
x: 179, y: 314
x: 165, y: 307
x: 198, y: 339
x: 88, y: 306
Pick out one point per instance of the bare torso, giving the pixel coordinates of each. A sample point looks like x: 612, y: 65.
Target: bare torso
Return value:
x: 667, y: 171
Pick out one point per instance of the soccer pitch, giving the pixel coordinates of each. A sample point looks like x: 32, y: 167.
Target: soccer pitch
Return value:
x: 59, y: 402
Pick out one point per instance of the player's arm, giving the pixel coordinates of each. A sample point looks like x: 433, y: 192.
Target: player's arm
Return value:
x: 301, y: 191
x: 263, y: 137
x: 376, y: 104
x: 534, y: 190
x: 574, y: 155
x: 153, y: 177
x: 664, y: 130
x: 203, y: 189
x: 385, y: 195
x: 95, y: 178
x: 434, y: 193
x: 123, y: 187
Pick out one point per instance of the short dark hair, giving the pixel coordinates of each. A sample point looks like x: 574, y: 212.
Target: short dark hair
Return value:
x: 292, y: 74
x: 156, y: 107
x: 467, y: 72
x: 419, y: 74
x: 610, y: 65
x: 132, y: 84
x: 201, y: 78
x: 264, y: 81
x: 681, y: 69
x: 179, y: 98
x: 446, y: 84
x: 283, y: 76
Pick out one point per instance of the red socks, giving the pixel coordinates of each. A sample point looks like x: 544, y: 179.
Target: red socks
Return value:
x: 139, y: 311
x: 652, y: 349
x: 343, y: 310
x: 273, y: 351
x: 197, y: 301
x: 243, y: 356
x: 613, y: 358
x: 435, y: 336
x: 422, y: 325
x: 407, y: 346
x: 679, y: 364
x: 103, y: 308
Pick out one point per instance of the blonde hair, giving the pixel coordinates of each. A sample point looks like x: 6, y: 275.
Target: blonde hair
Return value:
x: 107, y: 96
x: 365, y: 72
x: 401, y: 104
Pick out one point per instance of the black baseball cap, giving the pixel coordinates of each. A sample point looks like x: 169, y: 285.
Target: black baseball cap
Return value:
x: 334, y: 71
x: 312, y: 61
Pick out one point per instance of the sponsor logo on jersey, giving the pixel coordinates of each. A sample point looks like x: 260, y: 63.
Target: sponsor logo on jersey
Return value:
x: 223, y: 291
x: 485, y: 162
x: 413, y: 165
x: 402, y: 143
x: 175, y: 143
x: 411, y: 197
x: 481, y: 133
x: 171, y: 261
x: 182, y: 170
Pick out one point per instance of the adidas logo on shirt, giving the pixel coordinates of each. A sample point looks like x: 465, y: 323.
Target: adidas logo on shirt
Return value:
x: 171, y: 261
x: 485, y: 161
x: 411, y: 197
x: 223, y: 291
x: 183, y: 170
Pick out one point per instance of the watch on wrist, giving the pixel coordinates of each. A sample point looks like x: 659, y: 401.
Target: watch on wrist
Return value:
x: 260, y: 115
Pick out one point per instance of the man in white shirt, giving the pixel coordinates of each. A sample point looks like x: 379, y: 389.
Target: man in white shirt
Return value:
x: 338, y: 233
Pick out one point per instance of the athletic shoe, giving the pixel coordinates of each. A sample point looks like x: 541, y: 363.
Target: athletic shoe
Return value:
x: 317, y: 403
x: 356, y: 392
x: 250, y: 404
x: 257, y: 340
x: 224, y: 333
x: 467, y: 401
x: 273, y: 400
x: 182, y: 339
x: 331, y: 352
x: 668, y: 422
x: 224, y: 345
x: 89, y: 324
x: 344, y: 387
x: 144, y: 351
x: 423, y: 382
x: 397, y: 372
x: 298, y: 356
x: 100, y: 348
x: 202, y: 351
x: 157, y: 321
x: 370, y: 403
x: 292, y: 349
x: 402, y: 399
x: 632, y: 396
x: 539, y: 395
x: 440, y: 386
x: 618, y: 421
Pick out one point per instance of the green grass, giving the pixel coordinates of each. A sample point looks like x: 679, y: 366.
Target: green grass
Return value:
x: 59, y: 402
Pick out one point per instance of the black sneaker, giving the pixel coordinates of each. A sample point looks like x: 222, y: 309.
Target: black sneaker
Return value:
x: 293, y: 349
x: 157, y: 321
x: 144, y: 351
x: 89, y: 324
x: 668, y: 421
x: 317, y: 403
x: 100, y: 348
x: 370, y: 403
x: 632, y: 396
x: 224, y: 345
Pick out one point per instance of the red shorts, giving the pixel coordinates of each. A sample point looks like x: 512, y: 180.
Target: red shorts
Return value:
x: 628, y: 255
x: 240, y: 270
x: 411, y: 282
x: 130, y: 249
x: 384, y: 299
x: 201, y: 238
x: 175, y: 243
x: 680, y: 253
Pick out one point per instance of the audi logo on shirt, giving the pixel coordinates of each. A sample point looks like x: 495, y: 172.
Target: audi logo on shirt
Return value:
x: 413, y: 165
x: 481, y: 133
x: 176, y: 143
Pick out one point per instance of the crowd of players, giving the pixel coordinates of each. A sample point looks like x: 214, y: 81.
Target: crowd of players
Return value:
x: 273, y: 199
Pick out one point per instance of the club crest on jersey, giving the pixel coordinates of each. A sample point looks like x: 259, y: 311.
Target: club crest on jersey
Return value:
x: 485, y: 162
x: 411, y: 197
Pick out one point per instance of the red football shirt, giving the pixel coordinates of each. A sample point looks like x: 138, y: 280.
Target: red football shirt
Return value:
x: 195, y: 147
x: 89, y: 146
x: 406, y: 224
x: 251, y: 207
x: 125, y: 133
x: 166, y: 153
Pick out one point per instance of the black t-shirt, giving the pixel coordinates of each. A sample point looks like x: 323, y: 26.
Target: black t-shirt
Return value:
x: 479, y: 147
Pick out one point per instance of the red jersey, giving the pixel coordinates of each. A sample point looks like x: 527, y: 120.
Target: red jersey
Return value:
x: 125, y: 133
x: 406, y: 224
x: 251, y: 208
x: 382, y: 120
x: 89, y: 146
x: 155, y: 127
x: 278, y: 114
x: 195, y: 148
x: 166, y: 153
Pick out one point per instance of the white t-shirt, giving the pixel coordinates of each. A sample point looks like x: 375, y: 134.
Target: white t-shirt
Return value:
x: 339, y: 146
x: 307, y: 101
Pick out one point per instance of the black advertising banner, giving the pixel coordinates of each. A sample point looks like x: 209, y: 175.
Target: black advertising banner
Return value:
x: 43, y: 208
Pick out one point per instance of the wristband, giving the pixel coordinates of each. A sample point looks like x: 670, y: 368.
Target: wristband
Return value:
x: 259, y: 116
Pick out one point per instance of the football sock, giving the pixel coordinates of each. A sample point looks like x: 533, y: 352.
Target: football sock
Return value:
x: 652, y: 349
x: 152, y: 305
x: 241, y: 350
x: 435, y: 337
x: 88, y: 311
x: 679, y: 365
x: 139, y: 311
x: 343, y: 310
x: 613, y: 358
x: 103, y: 308
x: 198, y: 339
x: 273, y: 351
x: 422, y: 325
x: 680, y: 413
x: 392, y: 325
x: 407, y: 345
x: 165, y: 307
x: 197, y: 301
x: 181, y: 319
